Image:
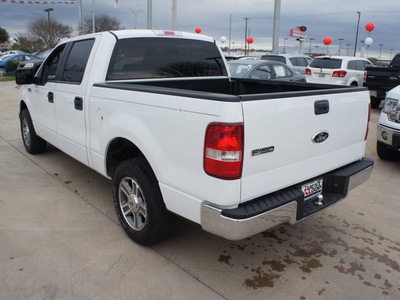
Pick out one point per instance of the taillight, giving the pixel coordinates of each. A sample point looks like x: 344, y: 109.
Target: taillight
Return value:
x: 365, y: 76
x: 340, y: 74
x: 369, y: 119
x: 308, y: 71
x: 223, y: 150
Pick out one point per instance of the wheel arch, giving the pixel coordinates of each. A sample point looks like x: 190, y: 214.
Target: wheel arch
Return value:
x: 118, y: 150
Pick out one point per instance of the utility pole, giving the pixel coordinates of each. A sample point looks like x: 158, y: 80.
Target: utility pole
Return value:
x: 358, y: 25
x: 93, y: 19
x: 174, y: 13
x: 80, y: 16
x: 340, y: 44
x: 275, y: 35
x: 245, y: 36
x: 149, y: 13
x: 380, y: 51
x: 311, y: 39
x: 230, y: 32
x: 135, y: 12
x: 48, y: 10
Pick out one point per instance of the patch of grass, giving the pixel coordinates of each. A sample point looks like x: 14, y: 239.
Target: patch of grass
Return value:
x: 7, y: 78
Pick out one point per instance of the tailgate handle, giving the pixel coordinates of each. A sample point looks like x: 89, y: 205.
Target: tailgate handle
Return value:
x: 321, y: 107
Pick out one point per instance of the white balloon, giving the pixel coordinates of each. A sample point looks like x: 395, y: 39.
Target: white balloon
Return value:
x: 223, y: 39
x: 369, y: 41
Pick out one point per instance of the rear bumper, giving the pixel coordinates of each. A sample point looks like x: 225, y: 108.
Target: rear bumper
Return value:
x: 285, y: 206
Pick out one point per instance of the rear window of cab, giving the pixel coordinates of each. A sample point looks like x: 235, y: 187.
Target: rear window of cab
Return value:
x: 144, y: 58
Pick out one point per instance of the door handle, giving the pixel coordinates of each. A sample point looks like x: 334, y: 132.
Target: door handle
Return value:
x: 50, y: 97
x: 78, y: 103
x: 321, y: 107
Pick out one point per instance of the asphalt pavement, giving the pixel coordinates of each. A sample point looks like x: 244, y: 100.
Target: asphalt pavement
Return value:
x: 60, y: 239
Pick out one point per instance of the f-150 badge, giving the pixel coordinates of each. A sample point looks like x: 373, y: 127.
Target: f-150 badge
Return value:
x: 320, y: 137
x: 262, y: 151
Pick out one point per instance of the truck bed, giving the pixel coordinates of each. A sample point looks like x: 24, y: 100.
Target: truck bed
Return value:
x: 231, y: 90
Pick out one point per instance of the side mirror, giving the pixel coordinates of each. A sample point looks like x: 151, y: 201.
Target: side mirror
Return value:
x: 25, y: 76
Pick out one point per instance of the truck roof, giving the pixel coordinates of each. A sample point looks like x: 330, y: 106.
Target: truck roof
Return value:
x: 140, y: 33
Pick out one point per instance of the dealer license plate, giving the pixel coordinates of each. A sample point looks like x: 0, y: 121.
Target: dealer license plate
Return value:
x: 321, y: 75
x: 312, y: 189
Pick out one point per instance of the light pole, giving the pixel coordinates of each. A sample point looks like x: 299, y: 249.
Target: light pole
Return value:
x: 174, y: 13
x: 284, y: 44
x: 340, y: 44
x: 48, y: 10
x: 149, y: 14
x: 311, y: 39
x: 358, y: 25
x: 380, y: 51
x: 348, y: 49
x: 245, y: 36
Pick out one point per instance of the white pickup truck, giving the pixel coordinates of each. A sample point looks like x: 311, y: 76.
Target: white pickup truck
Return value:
x: 156, y: 112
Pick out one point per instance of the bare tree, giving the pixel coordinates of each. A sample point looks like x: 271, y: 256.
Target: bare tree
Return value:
x: 101, y: 22
x: 49, y: 32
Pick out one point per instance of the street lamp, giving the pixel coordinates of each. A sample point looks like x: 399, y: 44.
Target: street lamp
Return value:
x: 48, y: 10
x: 380, y: 51
x: 311, y: 39
x: 284, y: 44
x: 340, y: 44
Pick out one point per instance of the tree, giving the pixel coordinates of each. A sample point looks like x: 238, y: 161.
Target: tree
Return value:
x: 102, y: 23
x: 49, y: 33
x: 3, y: 35
x: 28, y: 44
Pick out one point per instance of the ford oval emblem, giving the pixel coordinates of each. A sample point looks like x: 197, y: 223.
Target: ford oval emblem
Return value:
x: 320, y: 137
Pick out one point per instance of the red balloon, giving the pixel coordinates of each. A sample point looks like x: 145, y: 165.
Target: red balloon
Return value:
x: 198, y: 29
x: 327, y: 40
x: 250, y: 40
x: 370, y: 26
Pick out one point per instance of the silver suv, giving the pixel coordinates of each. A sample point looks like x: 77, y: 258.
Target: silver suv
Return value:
x: 298, y: 62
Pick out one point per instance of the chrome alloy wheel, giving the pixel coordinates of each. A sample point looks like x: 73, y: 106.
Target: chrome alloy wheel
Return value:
x: 132, y: 203
x: 26, y: 132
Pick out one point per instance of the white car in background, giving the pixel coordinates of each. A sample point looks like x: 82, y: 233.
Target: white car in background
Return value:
x: 341, y: 70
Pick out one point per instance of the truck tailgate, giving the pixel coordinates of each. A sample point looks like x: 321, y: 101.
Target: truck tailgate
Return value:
x: 281, y: 147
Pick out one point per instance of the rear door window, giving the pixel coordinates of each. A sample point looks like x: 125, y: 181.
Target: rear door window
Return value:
x: 326, y: 63
x: 141, y: 58
x: 263, y: 72
x: 282, y: 71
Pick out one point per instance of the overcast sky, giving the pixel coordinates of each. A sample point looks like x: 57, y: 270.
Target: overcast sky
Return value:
x: 335, y: 18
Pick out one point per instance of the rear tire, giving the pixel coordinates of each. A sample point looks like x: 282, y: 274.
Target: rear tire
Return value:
x: 139, y: 204
x: 375, y: 102
x: 32, y: 143
x: 386, y: 153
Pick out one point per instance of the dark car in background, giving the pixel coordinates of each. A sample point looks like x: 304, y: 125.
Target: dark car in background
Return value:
x: 35, y: 63
x: 264, y: 70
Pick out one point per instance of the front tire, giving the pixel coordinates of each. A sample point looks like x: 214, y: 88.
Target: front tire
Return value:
x: 32, y: 143
x: 138, y: 203
x: 2, y: 71
x: 386, y: 153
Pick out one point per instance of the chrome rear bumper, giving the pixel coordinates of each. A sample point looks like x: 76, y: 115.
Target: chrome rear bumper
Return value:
x: 236, y: 225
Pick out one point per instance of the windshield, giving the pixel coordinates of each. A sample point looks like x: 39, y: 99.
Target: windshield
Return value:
x: 274, y: 58
x: 141, y: 58
x: 44, y: 54
x: 326, y: 63
x: 239, y: 70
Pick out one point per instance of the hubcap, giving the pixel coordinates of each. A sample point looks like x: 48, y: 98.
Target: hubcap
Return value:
x: 132, y: 203
x: 25, y: 132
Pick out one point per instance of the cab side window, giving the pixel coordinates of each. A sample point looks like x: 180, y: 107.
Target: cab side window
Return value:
x: 282, y: 71
x: 76, y: 62
x: 50, y: 66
